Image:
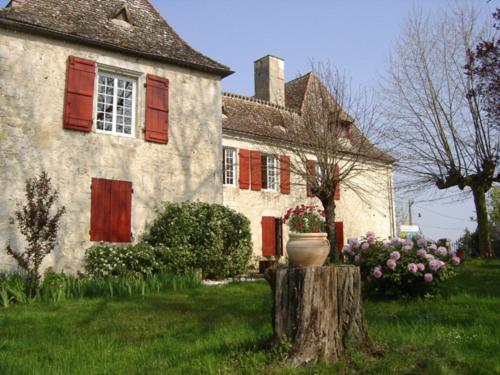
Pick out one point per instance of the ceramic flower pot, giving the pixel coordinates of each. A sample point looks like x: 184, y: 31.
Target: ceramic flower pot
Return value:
x: 307, y: 249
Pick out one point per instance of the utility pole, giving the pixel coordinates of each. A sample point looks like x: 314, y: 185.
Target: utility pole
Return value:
x: 411, y: 202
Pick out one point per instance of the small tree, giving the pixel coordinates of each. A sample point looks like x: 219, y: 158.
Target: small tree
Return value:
x: 38, y: 222
x: 333, y: 140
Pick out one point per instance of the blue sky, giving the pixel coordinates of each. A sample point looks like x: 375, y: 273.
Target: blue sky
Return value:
x: 355, y: 35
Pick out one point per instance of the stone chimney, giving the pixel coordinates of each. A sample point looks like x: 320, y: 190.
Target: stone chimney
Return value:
x: 270, y: 79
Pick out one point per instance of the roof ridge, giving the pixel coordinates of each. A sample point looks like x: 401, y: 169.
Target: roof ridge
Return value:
x: 300, y: 77
x: 258, y: 101
x: 308, y: 83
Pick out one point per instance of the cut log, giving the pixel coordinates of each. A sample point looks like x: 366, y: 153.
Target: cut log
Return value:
x: 318, y: 311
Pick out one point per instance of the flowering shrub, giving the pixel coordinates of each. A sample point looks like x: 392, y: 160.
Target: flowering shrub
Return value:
x: 400, y: 267
x: 117, y: 260
x: 305, y: 219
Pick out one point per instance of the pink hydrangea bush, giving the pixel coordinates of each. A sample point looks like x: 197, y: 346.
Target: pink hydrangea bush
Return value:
x: 400, y: 267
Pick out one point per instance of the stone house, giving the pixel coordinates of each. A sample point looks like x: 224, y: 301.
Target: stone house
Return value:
x: 115, y: 106
x: 258, y: 183
x: 123, y: 114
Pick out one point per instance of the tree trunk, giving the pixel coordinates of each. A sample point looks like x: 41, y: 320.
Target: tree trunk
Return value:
x: 483, y: 225
x: 318, y: 311
x: 329, y: 207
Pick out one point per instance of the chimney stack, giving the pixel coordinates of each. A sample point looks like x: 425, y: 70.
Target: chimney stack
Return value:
x: 270, y: 79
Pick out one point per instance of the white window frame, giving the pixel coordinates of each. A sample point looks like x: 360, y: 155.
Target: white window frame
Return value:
x: 272, y: 171
x: 116, y: 77
x: 226, y: 169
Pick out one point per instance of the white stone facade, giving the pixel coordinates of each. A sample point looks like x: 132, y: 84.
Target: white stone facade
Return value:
x: 32, y: 89
x: 374, y: 213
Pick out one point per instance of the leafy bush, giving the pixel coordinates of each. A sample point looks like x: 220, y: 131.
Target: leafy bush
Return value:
x: 469, y: 244
x: 118, y: 260
x: 400, y: 267
x: 192, y: 235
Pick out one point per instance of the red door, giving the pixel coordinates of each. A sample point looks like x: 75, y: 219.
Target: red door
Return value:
x: 339, y: 236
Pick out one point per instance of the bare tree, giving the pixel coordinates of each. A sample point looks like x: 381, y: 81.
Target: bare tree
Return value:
x: 330, y: 142
x: 442, y: 136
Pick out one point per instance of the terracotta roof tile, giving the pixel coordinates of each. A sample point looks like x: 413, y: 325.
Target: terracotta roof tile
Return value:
x: 92, y: 20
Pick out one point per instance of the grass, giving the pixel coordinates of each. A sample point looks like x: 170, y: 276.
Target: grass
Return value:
x: 224, y: 330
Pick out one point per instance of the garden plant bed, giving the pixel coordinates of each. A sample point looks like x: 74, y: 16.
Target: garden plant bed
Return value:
x: 226, y: 330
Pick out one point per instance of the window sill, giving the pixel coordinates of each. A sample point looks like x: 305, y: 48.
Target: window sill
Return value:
x: 270, y: 191
x: 115, y: 134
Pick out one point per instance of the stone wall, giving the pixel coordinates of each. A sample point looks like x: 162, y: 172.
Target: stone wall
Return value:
x: 32, y: 86
x: 374, y: 212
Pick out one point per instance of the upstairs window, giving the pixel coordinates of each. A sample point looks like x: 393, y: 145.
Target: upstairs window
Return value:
x: 344, y: 130
x: 270, y: 172
x: 229, y: 166
x: 116, y: 104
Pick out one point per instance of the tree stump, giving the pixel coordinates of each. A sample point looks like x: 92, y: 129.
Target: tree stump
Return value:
x: 318, y: 311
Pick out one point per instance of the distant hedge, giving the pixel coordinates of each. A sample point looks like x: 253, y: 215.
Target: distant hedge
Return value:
x: 192, y: 235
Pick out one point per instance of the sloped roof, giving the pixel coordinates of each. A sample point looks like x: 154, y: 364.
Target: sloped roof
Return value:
x: 258, y: 119
x: 253, y: 117
x: 91, y: 21
x: 295, y: 91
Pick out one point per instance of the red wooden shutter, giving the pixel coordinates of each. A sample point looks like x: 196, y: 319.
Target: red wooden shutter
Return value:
x: 256, y: 171
x: 285, y: 174
x: 337, y: 188
x: 263, y: 171
x: 79, y: 97
x: 268, y: 236
x: 156, y: 109
x: 339, y: 235
x: 100, y: 209
x: 244, y: 169
x: 111, y: 210
x: 121, y: 212
x: 311, y: 173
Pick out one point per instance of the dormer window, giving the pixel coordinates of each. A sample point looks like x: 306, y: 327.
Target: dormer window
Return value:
x: 344, y: 130
x: 122, y: 16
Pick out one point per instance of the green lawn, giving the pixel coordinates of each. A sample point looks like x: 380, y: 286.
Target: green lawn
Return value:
x: 224, y: 330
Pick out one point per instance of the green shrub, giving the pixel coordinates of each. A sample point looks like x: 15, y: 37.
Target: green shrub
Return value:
x: 192, y: 235
x: 117, y: 260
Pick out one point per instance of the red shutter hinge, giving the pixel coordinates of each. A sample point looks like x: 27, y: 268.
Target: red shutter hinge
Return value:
x: 132, y: 191
x: 145, y: 85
